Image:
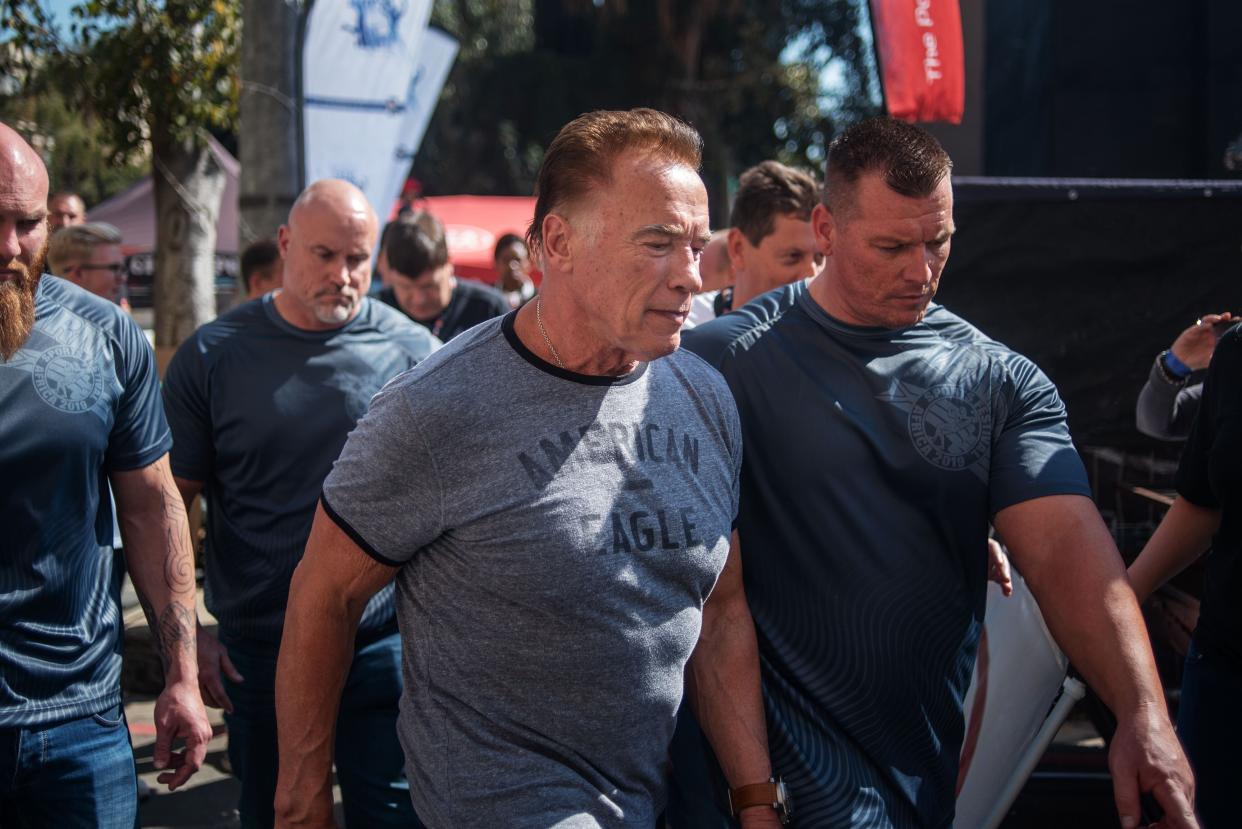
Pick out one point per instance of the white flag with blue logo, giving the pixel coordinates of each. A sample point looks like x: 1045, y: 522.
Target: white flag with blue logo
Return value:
x: 358, y: 59
x: 435, y: 59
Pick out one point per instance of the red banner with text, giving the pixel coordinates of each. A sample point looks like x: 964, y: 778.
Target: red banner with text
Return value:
x: 919, y: 43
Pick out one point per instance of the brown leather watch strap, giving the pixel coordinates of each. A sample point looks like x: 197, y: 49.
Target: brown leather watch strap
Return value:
x: 755, y: 794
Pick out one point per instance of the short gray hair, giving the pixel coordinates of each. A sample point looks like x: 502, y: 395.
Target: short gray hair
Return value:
x: 73, y: 245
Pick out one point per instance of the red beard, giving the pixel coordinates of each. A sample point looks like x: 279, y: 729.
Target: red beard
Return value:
x: 17, y: 313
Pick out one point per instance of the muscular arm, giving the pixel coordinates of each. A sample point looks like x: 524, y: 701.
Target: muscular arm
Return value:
x: 161, y: 565
x: 213, y: 659
x: 1182, y: 537
x: 1062, y: 548
x: 722, y: 685
x: 330, y: 589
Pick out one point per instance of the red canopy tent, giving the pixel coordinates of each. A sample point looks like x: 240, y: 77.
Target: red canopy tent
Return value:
x: 474, y: 223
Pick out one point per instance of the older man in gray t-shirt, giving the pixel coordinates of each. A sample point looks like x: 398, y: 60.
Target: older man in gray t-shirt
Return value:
x: 554, y: 494
x: 552, y: 572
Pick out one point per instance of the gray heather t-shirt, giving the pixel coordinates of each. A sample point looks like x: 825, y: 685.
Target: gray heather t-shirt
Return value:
x: 557, y: 536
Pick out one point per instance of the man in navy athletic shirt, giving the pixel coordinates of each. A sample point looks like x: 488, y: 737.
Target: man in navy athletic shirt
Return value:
x: 79, y: 410
x: 260, y: 402
x: 882, y: 434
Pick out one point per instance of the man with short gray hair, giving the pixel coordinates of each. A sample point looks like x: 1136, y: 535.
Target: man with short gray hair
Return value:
x: 89, y: 255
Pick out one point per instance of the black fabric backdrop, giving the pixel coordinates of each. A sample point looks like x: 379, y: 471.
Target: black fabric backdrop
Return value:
x: 1092, y: 278
x: 1111, y: 87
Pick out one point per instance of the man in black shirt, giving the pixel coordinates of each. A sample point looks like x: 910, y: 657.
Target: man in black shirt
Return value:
x: 422, y: 285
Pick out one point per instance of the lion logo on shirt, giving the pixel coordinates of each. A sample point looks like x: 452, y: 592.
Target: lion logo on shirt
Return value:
x: 67, y: 380
x: 947, y: 429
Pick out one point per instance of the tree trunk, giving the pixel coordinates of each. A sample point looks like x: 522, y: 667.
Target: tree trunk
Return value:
x: 189, y: 183
x: 268, y: 133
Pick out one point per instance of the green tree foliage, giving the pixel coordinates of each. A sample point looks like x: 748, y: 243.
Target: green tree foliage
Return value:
x: 75, y: 145
x: 746, y: 73
x: 158, y: 75
x: 161, y: 71
x: 148, y: 71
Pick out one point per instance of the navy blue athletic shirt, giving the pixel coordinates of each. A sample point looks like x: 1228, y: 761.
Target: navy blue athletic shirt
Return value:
x: 259, y: 411
x: 873, y: 460
x: 79, y: 400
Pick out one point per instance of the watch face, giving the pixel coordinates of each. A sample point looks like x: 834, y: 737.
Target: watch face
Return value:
x: 783, y: 800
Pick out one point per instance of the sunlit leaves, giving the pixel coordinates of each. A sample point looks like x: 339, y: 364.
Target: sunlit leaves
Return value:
x: 168, y: 66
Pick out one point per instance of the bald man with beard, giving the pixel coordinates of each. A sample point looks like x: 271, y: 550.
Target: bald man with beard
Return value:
x: 79, y: 409
x: 260, y: 402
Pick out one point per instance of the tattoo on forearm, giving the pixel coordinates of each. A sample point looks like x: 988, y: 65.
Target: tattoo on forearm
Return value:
x: 179, y: 559
x: 174, y: 630
x: 179, y: 571
x: 177, y: 629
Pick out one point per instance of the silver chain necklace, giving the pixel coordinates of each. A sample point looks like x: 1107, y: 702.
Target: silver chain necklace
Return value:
x: 544, y: 332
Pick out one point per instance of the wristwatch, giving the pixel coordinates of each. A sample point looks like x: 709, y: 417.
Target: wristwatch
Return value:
x: 772, y: 794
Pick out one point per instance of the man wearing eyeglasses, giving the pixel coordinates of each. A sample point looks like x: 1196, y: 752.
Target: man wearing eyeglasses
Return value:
x: 89, y: 255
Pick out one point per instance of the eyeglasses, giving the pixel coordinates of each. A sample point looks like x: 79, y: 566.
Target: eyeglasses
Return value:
x: 116, y: 268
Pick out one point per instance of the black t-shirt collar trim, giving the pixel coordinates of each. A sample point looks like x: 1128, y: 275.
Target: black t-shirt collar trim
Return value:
x: 508, y: 326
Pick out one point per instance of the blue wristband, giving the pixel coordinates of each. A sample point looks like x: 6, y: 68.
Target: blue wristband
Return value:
x: 1175, y: 366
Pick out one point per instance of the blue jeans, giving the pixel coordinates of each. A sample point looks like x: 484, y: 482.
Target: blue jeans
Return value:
x: 1209, y: 722
x: 71, y: 774
x: 369, y: 760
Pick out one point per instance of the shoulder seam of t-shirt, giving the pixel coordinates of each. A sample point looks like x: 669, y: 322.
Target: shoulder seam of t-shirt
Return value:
x: 148, y: 454
x: 207, y: 345
x: 480, y: 342
x: 435, y: 467
x: 753, y: 330
x: 353, y: 534
x: 113, y: 337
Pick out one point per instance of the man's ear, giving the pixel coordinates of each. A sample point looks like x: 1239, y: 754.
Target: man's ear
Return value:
x: 823, y: 225
x: 557, y: 242
x: 735, y: 245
